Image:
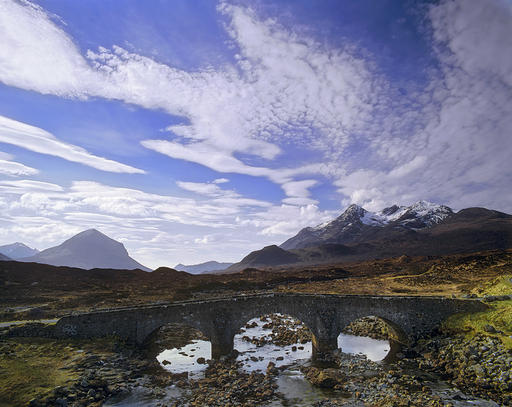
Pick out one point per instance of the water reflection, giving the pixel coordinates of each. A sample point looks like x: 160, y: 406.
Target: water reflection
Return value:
x: 256, y: 358
x: 184, y: 359
x: 374, y: 349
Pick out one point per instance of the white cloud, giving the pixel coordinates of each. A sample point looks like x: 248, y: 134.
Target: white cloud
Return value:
x: 219, y: 196
x: 38, y: 140
x: 458, y: 154
x: 38, y: 55
x: 23, y: 186
x: 287, y: 220
x: 282, y: 87
x: 220, y: 181
x: 298, y: 189
x: 200, y: 188
x: 15, y: 168
x: 299, y: 201
x: 157, y: 229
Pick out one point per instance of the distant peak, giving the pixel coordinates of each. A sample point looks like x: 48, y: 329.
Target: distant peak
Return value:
x: 91, y: 232
x: 353, y: 211
x: 354, y: 207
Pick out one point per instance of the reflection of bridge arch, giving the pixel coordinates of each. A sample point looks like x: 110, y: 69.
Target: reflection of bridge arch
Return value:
x: 220, y: 319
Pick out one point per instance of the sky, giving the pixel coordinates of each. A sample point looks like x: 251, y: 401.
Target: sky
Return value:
x: 195, y: 130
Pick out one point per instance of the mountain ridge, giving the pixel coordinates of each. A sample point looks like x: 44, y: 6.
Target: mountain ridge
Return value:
x: 414, y: 231
x: 357, y: 224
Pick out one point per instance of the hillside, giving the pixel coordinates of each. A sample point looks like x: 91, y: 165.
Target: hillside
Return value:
x: 266, y: 257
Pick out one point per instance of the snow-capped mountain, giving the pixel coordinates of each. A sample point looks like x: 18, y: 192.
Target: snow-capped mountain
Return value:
x: 357, y: 224
x: 87, y: 250
x: 17, y: 250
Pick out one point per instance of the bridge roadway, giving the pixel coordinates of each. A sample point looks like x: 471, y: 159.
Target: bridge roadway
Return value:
x: 220, y: 319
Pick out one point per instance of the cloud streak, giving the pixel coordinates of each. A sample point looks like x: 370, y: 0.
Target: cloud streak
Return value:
x: 40, y: 141
x: 14, y: 168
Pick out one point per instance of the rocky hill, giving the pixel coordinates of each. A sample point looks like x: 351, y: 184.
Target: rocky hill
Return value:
x: 17, y: 251
x: 266, y: 257
x: 87, y: 250
x: 422, y: 229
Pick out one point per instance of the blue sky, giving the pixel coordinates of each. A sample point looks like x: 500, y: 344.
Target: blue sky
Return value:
x: 200, y: 130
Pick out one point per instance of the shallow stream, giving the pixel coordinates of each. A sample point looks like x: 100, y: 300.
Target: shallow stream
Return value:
x: 297, y: 391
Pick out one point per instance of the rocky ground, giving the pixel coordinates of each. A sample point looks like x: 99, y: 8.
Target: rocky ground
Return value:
x: 480, y: 366
x: 285, y: 331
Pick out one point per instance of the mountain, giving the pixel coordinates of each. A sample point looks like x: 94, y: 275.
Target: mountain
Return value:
x: 87, y: 250
x: 17, y: 250
x: 267, y: 257
x: 206, y: 267
x: 357, y: 224
x: 4, y: 258
x: 422, y: 229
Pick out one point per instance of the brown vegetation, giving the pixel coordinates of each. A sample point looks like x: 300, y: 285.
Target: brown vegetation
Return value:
x: 30, y: 290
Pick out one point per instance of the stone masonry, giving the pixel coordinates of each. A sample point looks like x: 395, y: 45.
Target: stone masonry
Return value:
x: 220, y: 319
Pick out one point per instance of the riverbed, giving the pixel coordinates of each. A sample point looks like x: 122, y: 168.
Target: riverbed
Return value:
x: 368, y: 355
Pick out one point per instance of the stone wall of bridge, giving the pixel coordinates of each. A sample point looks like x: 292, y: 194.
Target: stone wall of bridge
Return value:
x: 221, y: 319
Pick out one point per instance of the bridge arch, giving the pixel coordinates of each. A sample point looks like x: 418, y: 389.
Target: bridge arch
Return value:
x: 221, y: 318
x: 298, y: 311
x: 178, y: 348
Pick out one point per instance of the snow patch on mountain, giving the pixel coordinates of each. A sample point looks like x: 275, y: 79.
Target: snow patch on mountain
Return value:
x: 357, y: 223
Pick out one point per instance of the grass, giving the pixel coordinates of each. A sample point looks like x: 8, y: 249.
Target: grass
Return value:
x: 499, y: 314
x: 31, y: 367
x: 498, y: 286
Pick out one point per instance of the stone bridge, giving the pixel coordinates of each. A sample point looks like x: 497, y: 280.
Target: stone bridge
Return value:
x: 220, y: 319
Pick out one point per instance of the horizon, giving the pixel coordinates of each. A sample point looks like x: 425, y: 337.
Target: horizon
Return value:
x: 245, y: 254
x: 199, y: 132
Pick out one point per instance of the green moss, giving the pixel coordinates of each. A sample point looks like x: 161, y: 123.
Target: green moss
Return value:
x: 499, y: 286
x: 499, y: 315
x: 34, y: 367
